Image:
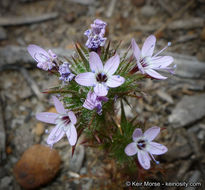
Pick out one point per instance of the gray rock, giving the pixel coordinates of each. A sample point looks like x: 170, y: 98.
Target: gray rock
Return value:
x: 195, y: 178
x: 148, y: 11
x: 2, y: 136
x: 3, y: 34
x: 189, y: 110
x: 188, y: 66
x: 23, y: 139
x: 5, y: 182
x: 77, y: 160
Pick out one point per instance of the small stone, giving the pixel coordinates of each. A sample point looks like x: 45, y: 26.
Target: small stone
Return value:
x: 202, y: 35
x: 77, y: 160
x: 3, y: 35
x: 138, y: 3
x: 5, y: 181
x: 148, y: 11
x: 39, y: 129
x: 189, y: 110
x: 38, y: 166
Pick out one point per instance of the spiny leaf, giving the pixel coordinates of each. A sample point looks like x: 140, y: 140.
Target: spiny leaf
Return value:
x: 118, y: 45
x: 106, y: 51
x: 123, y: 116
x: 85, y: 61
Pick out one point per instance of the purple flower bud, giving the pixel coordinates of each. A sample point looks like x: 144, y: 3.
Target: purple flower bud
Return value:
x: 96, y: 34
x: 65, y: 73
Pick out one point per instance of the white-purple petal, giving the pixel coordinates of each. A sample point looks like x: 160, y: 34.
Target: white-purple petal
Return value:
x: 71, y: 134
x: 144, y: 159
x: 156, y: 148
x: 161, y: 62
x: 86, y: 79
x: 112, y: 64
x: 135, y: 49
x: 100, y: 89
x: 56, y: 134
x: 151, y: 133
x: 38, y: 53
x: 58, y: 105
x: 47, y: 117
x: 115, y: 81
x: 155, y: 74
x: 148, y: 46
x: 72, y: 117
x: 136, y: 134
x: 131, y: 149
x: 95, y: 62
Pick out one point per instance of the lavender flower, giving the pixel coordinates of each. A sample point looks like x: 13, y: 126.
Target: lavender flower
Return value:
x: 101, y: 76
x: 144, y: 147
x: 46, y: 60
x: 64, y: 121
x: 94, y: 102
x: 96, y: 34
x: 150, y: 64
x: 65, y: 73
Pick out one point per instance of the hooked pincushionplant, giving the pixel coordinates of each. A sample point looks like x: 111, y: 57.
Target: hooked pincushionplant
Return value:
x: 101, y: 77
x: 64, y: 120
x: 144, y: 147
x: 94, y: 80
x: 146, y: 63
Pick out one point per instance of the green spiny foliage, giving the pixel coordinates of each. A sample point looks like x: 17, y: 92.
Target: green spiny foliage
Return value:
x: 105, y: 130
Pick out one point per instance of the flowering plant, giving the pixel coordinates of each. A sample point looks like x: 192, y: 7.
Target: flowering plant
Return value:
x: 94, y: 80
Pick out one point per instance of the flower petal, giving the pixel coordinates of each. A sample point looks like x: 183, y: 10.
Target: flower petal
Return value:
x: 131, y: 149
x: 144, y: 159
x: 135, y: 49
x: 115, y: 81
x: 72, y: 134
x: 156, y: 148
x: 161, y: 62
x: 154, y: 74
x: 112, y: 64
x: 56, y: 134
x: 136, y: 134
x: 72, y: 117
x: 100, y: 90
x: 151, y: 133
x: 38, y: 53
x: 47, y: 117
x: 148, y: 46
x: 58, y: 105
x: 86, y: 79
x: 95, y: 62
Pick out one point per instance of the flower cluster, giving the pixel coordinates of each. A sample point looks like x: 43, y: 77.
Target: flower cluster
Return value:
x: 92, y: 81
x: 96, y: 35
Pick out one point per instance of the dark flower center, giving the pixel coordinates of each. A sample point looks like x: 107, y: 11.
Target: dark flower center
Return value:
x: 143, y: 62
x: 66, y: 120
x: 101, y: 78
x: 141, y: 144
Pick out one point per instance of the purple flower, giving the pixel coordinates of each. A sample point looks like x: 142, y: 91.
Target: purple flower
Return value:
x: 144, y: 147
x: 96, y: 34
x: 64, y: 121
x: 101, y: 76
x: 45, y: 60
x: 94, y: 102
x: 65, y: 73
x: 150, y: 64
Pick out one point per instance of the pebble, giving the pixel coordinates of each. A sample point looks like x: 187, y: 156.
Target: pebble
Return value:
x: 5, y: 182
x: 39, y: 129
x: 189, y: 110
x: 148, y: 11
x: 3, y: 34
x: 38, y: 166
